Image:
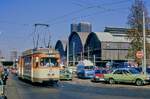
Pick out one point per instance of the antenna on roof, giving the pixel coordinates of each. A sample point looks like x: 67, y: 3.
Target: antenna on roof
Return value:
x: 39, y: 35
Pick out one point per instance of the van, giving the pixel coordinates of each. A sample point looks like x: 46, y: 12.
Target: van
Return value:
x: 84, y: 71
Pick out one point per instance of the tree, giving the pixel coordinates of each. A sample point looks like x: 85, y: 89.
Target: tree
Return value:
x: 135, y: 33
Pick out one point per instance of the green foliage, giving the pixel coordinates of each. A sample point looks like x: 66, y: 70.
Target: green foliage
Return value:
x: 135, y: 22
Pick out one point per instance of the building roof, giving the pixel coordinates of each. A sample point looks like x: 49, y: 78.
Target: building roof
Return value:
x: 63, y: 43
x: 82, y: 35
x: 116, y: 30
x: 104, y: 36
x: 108, y: 37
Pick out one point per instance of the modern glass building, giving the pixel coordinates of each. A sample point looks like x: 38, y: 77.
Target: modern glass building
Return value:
x: 61, y: 47
x: 74, y: 27
x: 76, y: 46
x: 81, y: 27
x: 84, y: 27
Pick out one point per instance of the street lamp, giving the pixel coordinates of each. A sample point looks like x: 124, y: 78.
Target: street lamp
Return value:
x: 144, y: 46
x: 73, y: 53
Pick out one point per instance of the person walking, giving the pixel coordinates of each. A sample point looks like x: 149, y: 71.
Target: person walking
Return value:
x: 4, y: 75
x: 1, y: 71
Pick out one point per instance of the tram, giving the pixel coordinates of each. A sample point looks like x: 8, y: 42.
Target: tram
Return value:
x: 39, y: 65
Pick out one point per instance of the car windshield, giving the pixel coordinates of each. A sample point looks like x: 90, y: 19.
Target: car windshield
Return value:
x: 134, y: 71
x: 89, y: 67
x: 98, y: 71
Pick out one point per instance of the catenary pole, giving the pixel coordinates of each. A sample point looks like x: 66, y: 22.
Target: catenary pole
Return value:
x: 144, y: 46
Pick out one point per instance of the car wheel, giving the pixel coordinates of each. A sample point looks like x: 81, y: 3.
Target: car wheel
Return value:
x: 79, y: 75
x: 111, y: 81
x: 139, y: 82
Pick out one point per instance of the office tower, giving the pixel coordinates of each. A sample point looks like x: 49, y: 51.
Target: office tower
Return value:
x: 74, y: 27
x: 81, y: 27
x: 84, y: 27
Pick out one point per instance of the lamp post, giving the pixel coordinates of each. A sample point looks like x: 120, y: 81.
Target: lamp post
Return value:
x: 94, y: 60
x: 68, y: 53
x: 88, y: 53
x: 73, y: 53
x: 144, y: 46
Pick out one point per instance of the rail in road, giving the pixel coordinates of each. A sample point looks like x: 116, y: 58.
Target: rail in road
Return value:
x: 87, y: 82
x: 75, y: 89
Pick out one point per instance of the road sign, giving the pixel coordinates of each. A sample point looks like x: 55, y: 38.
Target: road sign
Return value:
x: 139, y: 54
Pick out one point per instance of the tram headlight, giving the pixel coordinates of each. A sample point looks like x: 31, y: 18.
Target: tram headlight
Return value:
x: 37, y: 59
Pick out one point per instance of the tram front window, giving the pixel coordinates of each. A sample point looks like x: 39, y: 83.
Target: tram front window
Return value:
x: 46, y: 62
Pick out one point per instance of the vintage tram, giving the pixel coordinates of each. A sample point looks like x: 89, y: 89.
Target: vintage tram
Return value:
x: 39, y: 65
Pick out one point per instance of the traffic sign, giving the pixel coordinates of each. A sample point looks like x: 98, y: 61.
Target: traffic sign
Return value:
x: 139, y: 54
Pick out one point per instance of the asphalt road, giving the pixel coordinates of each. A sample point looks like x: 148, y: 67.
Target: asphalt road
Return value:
x: 17, y: 89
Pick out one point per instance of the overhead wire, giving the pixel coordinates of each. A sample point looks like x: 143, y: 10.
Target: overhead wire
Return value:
x: 61, y: 18
x: 72, y: 12
x: 92, y: 14
x: 103, y: 10
x: 84, y: 9
x: 98, y: 6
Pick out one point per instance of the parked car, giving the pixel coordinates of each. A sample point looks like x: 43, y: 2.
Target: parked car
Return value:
x: 73, y: 69
x: 127, y: 75
x: 85, y: 71
x: 99, y: 75
x: 65, y: 74
x: 140, y: 69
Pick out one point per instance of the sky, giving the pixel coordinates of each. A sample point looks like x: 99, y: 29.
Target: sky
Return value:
x: 17, y: 18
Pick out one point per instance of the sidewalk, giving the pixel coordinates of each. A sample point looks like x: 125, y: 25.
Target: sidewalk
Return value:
x: 11, y: 89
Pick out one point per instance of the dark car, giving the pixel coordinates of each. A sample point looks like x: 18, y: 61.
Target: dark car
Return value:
x: 140, y: 69
x: 99, y: 75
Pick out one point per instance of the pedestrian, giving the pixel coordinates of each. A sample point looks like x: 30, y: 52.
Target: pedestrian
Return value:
x: 1, y: 71
x: 4, y: 76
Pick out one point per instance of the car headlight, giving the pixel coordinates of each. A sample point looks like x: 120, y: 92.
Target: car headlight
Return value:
x: 96, y: 77
x: 147, y: 78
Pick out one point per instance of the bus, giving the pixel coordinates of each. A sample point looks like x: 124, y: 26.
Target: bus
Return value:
x: 39, y: 65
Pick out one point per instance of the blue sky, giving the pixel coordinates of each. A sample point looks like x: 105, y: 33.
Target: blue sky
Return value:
x: 17, y: 18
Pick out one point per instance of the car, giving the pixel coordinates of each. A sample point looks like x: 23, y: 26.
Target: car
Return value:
x: 127, y: 75
x: 72, y: 69
x: 140, y: 69
x: 85, y: 72
x: 99, y: 75
x: 65, y: 74
x: 85, y: 69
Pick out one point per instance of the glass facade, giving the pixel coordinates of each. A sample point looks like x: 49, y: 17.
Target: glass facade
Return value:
x: 59, y: 47
x: 75, y: 47
x: 92, y: 48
